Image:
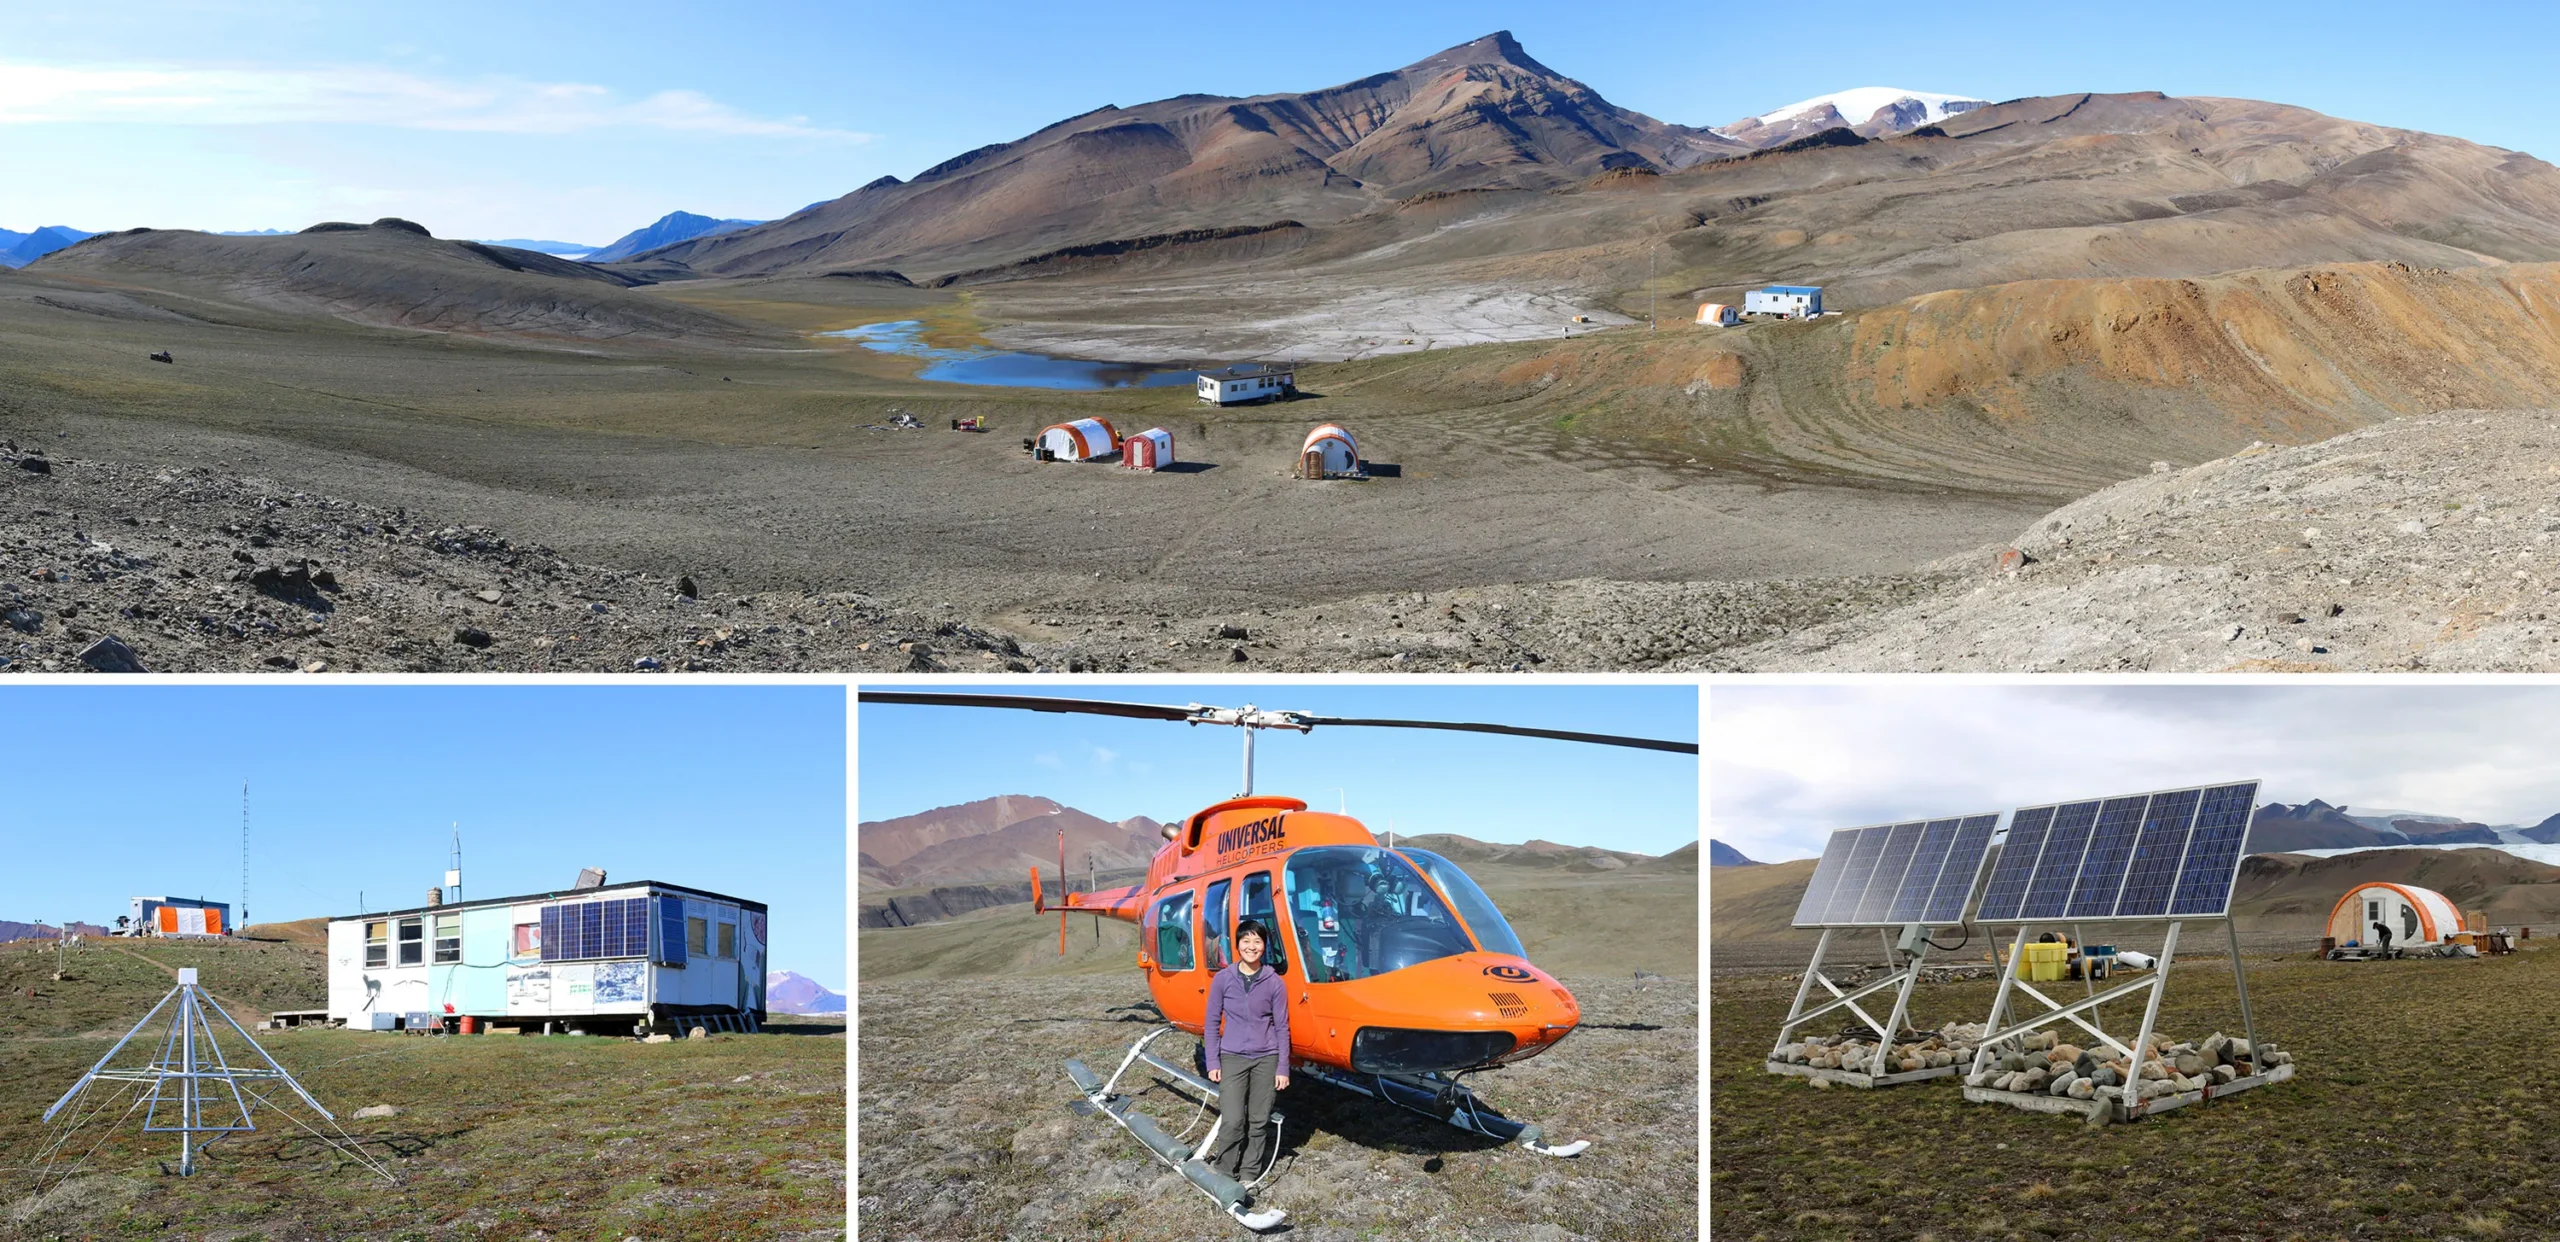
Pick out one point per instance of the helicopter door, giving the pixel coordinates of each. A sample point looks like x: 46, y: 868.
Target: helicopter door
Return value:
x: 1215, y: 944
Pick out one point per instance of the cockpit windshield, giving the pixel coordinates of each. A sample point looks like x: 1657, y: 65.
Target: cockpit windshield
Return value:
x: 1362, y: 911
x: 1493, y: 932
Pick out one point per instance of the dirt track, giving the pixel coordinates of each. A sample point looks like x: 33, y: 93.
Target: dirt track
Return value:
x: 965, y: 1131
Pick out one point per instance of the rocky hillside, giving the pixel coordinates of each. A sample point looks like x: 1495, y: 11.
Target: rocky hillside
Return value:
x: 2419, y: 544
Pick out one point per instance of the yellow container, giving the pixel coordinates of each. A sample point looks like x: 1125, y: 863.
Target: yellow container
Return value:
x: 2044, y: 963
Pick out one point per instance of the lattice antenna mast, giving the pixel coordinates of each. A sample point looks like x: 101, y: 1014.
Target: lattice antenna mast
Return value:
x: 243, y: 920
x: 191, y: 1087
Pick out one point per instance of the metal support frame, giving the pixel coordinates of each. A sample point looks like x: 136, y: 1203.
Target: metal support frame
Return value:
x: 190, y: 1075
x: 1999, y: 1029
x: 1903, y: 981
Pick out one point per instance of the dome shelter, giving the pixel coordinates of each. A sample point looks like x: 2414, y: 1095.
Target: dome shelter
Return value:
x: 2416, y: 916
x: 1328, y: 453
x: 1085, y: 439
x: 1718, y: 314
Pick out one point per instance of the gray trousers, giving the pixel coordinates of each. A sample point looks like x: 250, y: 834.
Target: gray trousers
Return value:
x: 1244, y: 1113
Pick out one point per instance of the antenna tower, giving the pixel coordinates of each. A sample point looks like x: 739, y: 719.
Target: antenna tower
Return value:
x: 190, y: 1088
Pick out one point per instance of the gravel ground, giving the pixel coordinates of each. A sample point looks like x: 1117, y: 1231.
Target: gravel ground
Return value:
x: 983, y: 1145
x: 2419, y: 544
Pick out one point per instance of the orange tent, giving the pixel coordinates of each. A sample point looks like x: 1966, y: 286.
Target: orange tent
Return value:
x: 2414, y: 915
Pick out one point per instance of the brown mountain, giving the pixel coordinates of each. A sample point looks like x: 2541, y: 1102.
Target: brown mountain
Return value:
x: 1483, y: 115
x: 1469, y: 853
x: 997, y: 839
x: 393, y: 274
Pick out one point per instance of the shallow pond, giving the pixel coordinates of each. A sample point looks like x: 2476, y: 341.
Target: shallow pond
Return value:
x: 1006, y: 369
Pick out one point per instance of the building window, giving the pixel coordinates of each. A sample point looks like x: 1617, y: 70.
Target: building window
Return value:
x: 728, y: 942
x: 528, y: 940
x: 448, y: 940
x: 696, y: 937
x: 377, y: 944
x: 413, y: 942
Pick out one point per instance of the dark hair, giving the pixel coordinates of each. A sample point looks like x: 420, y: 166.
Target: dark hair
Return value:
x: 1252, y: 927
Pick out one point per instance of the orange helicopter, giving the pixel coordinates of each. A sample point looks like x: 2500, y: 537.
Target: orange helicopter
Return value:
x: 1405, y: 975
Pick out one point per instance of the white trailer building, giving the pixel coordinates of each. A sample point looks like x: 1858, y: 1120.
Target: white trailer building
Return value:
x: 610, y: 956
x: 1784, y: 301
x: 177, y: 916
x: 1239, y: 384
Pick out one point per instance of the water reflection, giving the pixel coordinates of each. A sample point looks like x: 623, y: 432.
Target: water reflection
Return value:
x: 1006, y: 369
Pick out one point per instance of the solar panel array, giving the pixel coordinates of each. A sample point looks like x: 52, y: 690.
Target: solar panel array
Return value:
x: 1890, y: 874
x: 2143, y: 856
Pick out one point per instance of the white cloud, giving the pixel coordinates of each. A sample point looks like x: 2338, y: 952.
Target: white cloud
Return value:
x: 1792, y: 763
x: 33, y: 93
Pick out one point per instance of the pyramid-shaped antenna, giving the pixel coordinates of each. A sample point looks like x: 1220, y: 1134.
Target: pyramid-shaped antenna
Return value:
x: 190, y: 1088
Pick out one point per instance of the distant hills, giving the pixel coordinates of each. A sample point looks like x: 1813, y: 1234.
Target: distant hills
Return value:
x: 21, y: 249
x: 1868, y: 111
x: 1720, y: 854
x: 566, y: 250
x: 999, y: 838
x: 788, y: 992
x: 40, y: 931
x: 2316, y: 825
x: 673, y: 227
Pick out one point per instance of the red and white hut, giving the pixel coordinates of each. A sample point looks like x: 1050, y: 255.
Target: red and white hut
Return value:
x: 1328, y: 453
x: 1151, y: 449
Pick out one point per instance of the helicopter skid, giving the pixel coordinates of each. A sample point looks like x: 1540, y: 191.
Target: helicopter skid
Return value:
x: 1447, y: 1101
x: 1192, y: 1163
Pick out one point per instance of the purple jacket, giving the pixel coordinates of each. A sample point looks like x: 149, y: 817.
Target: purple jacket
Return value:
x: 1248, y: 1016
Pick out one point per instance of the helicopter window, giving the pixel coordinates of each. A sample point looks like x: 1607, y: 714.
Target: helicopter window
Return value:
x: 1214, y: 927
x: 1257, y: 906
x: 1493, y: 932
x: 1173, y: 933
x: 1361, y: 911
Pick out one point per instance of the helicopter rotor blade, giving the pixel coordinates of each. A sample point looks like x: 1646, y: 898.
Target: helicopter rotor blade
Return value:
x: 1560, y: 735
x: 1193, y: 714
x: 1032, y: 703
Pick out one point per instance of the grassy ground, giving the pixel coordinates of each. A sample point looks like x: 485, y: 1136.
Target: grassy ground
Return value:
x: 966, y: 1132
x: 734, y: 1136
x: 2416, y: 1113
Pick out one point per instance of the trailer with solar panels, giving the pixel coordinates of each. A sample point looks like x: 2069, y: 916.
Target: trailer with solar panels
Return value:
x: 1908, y: 877
x: 2172, y: 857
x: 594, y: 958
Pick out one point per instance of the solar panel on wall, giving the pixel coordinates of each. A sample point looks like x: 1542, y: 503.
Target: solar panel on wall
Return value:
x: 2171, y: 854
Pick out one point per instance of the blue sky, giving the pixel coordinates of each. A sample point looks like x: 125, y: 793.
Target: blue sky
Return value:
x: 1789, y: 764
x: 125, y: 791
x: 580, y: 121
x: 1488, y: 787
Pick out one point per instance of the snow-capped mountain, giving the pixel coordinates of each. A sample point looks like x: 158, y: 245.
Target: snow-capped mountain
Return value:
x: 1871, y: 110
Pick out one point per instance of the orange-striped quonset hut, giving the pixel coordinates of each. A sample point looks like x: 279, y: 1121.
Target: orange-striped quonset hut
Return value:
x: 1151, y: 449
x: 1328, y: 453
x: 1082, y: 440
x: 1718, y: 314
x: 2415, y: 915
